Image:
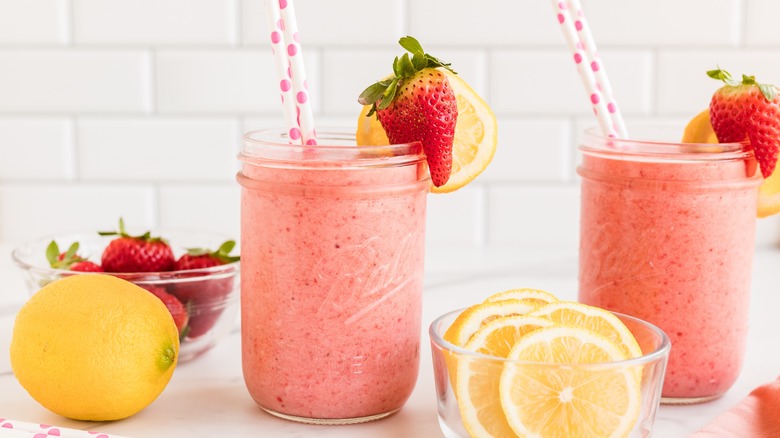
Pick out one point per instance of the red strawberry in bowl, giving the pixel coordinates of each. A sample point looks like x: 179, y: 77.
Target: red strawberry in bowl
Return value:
x: 177, y: 309
x: 749, y: 110
x: 203, y: 290
x: 417, y: 103
x: 69, y: 259
x: 142, y: 253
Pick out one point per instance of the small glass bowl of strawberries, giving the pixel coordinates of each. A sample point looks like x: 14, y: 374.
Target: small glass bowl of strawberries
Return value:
x: 193, y: 273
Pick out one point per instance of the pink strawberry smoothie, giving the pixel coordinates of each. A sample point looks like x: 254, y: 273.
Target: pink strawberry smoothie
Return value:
x: 668, y: 237
x: 331, y: 283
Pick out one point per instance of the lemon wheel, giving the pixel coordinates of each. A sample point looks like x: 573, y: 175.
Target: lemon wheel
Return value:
x: 540, y: 398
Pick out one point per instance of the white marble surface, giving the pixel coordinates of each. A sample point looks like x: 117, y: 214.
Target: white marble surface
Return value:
x: 207, y: 397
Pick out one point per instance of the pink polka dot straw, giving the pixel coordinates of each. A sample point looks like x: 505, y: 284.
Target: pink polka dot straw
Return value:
x: 286, y: 46
x: 22, y: 429
x: 590, y: 67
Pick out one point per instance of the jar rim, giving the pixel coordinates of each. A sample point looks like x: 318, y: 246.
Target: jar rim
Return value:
x: 336, y: 147
x: 643, y: 146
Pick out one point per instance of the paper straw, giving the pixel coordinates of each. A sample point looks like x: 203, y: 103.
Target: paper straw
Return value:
x: 279, y: 49
x: 590, y: 67
x: 296, y: 71
x: 22, y: 429
x: 597, y: 65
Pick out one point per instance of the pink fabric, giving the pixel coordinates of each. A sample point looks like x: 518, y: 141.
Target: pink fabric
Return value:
x: 756, y: 416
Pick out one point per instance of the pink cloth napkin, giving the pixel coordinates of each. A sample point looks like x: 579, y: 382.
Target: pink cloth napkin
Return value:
x: 756, y: 416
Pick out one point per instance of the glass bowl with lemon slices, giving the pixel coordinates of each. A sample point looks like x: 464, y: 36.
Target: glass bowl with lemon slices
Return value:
x: 523, y: 363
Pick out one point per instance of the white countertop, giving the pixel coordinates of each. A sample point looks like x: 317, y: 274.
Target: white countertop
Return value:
x: 207, y: 397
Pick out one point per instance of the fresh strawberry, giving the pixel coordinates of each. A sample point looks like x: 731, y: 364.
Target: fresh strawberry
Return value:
x: 747, y: 110
x: 199, y: 258
x: 177, y: 309
x: 417, y: 103
x: 136, y: 253
x: 69, y: 259
x: 86, y: 266
x: 204, y: 296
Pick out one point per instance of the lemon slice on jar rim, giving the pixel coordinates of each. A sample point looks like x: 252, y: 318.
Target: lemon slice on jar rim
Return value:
x: 475, y: 135
x: 699, y: 130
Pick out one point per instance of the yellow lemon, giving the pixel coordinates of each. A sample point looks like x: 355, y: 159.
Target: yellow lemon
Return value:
x: 94, y: 347
x: 699, y: 130
x: 476, y: 135
x: 542, y: 399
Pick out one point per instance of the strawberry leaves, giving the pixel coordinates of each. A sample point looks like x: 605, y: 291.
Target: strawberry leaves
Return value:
x: 381, y: 93
x: 769, y: 91
x: 222, y: 253
x: 59, y: 260
x: 146, y: 237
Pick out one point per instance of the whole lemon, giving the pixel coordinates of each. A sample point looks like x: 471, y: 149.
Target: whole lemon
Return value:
x: 94, y: 347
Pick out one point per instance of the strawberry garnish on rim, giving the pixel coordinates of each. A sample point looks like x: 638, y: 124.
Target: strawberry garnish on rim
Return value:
x: 417, y: 103
x: 749, y: 110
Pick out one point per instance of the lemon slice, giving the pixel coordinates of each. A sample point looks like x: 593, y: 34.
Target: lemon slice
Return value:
x: 769, y: 195
x: 536, y: 295
x: 475, y: 135
x: 497, y: 336
x: 540, y: 399
x: 477, y: 381
x: 699, y: 130
x: 369, y: 131
x: 600, y: 321
x: 472, y: 319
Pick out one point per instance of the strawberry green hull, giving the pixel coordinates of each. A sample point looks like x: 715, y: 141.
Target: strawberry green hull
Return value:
x: 671, y: 242
x: 331, y: 289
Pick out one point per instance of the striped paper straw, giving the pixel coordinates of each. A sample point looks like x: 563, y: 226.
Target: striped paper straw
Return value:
x: 590, y: 67
x: 279, y: 49
x: 296, y: 71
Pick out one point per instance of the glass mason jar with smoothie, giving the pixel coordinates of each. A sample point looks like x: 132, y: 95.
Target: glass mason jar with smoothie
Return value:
x: 667, y: 231
x: 667, y: 236
x: 332, y: 241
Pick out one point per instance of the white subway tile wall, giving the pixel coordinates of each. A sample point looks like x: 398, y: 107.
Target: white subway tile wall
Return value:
x: 135, y: 108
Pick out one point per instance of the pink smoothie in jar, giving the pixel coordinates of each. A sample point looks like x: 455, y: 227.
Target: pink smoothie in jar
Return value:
x: 332, y: 246
x: 667, y: 235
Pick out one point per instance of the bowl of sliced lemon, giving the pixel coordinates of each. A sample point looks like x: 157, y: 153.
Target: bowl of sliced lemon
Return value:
x: 523, y: 363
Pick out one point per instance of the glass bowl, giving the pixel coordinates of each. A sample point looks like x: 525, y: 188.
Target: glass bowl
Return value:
x: 210, y: 295
x: 646, y: 372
